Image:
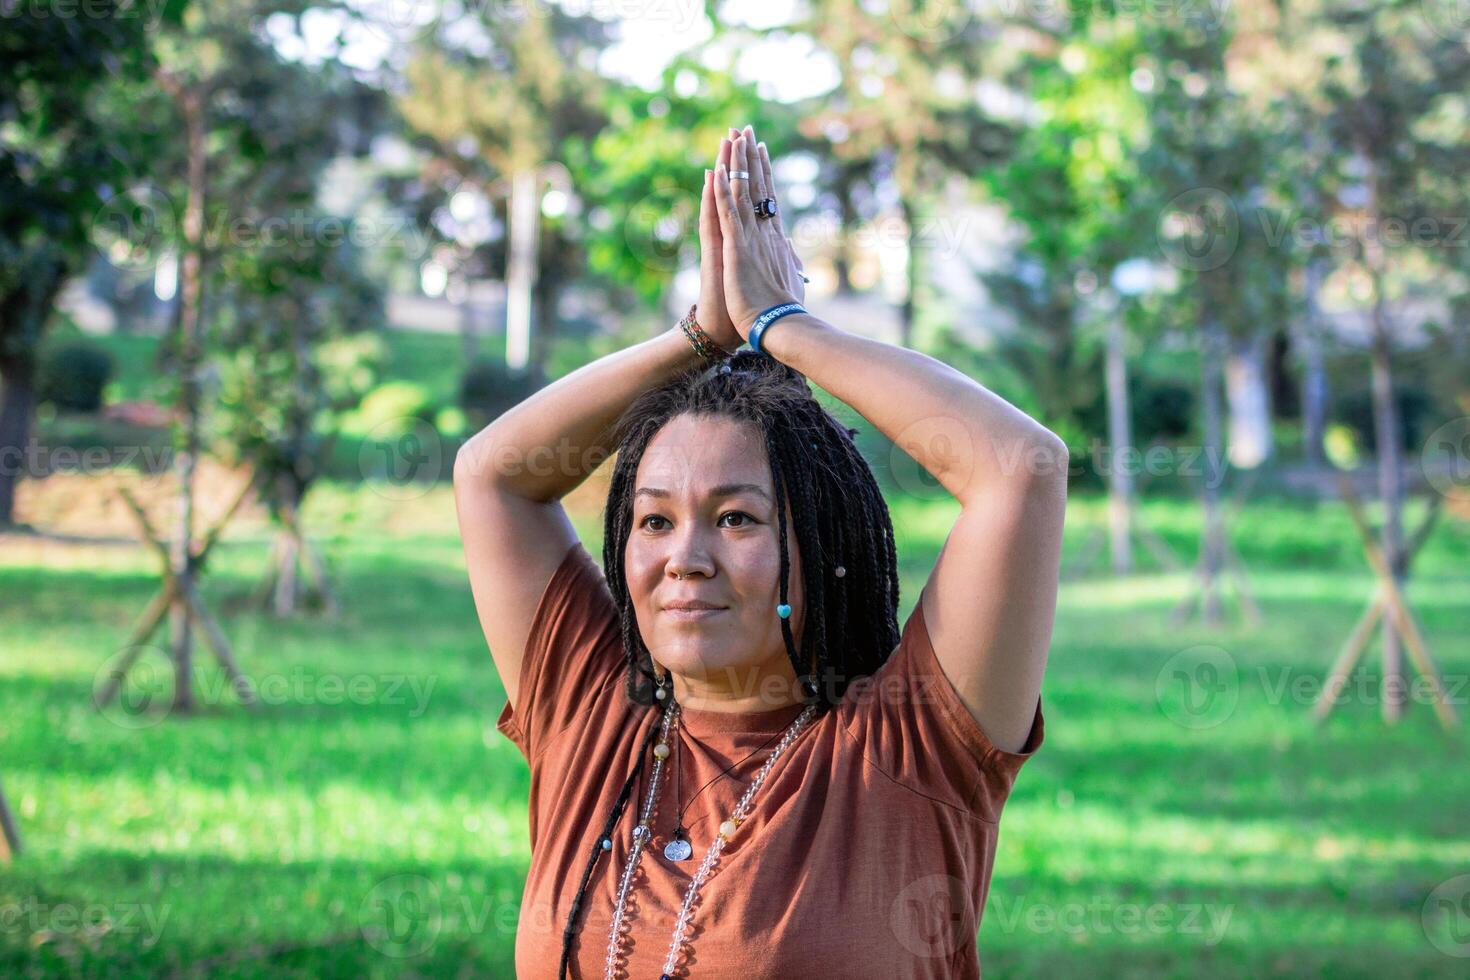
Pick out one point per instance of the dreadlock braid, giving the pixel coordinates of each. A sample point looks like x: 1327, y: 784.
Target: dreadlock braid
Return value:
x: 837, y: 514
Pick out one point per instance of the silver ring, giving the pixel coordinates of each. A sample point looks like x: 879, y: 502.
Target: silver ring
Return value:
x: 740, y: 175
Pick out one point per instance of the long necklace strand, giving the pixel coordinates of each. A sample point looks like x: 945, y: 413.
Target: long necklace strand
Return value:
x: 643, y: 832
x: 727, y: 829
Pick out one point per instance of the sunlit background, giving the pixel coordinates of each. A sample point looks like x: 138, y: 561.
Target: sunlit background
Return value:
x: 266, y: 266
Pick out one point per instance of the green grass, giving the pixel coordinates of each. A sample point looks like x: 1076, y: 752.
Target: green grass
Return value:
x: 1144, y: 840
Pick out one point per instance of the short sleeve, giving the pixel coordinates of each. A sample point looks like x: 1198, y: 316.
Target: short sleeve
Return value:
x: 915, y: 727
x: 573, y: 652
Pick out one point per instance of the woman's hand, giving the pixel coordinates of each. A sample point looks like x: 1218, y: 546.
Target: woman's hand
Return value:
x: 760, y: 267
x: 710, y: 312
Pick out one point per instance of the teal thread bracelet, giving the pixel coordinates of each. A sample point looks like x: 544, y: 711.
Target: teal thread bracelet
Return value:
x: 767, y: 318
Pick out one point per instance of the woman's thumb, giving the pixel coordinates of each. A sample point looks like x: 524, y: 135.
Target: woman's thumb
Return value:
x: 707, y: 216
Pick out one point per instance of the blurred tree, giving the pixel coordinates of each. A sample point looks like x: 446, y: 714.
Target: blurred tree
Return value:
x: 1208, y: 162
x: 640, y: 177
x: 241, y: 136
x: 1071, y: 184
x: 1382, y: 87
x: 58, y: 154
x: 493, y: 93
x: 905, y: 112
x: 295, y: 324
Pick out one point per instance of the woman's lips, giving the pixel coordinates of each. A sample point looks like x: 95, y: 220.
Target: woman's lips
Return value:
x: 691, y: 615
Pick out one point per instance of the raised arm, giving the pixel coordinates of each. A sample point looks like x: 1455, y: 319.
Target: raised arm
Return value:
x: 510, y: 477
x: 990, y: 601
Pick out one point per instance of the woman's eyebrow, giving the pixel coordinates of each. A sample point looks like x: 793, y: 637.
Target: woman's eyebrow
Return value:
x: 723, y: 490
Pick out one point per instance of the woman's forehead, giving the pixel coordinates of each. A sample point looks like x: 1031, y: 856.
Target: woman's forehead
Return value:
x: 703, y: 457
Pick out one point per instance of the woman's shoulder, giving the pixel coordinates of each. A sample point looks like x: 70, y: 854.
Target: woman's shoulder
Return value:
x: 909, y: 721
x: 573, y: 659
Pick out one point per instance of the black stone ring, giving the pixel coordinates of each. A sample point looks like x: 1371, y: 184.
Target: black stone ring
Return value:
x: 765, y: 207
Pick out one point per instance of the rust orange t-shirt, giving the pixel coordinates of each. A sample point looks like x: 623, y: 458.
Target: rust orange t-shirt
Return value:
x: 867, y: 851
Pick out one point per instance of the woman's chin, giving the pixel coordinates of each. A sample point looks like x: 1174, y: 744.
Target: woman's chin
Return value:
x: 697, y: 659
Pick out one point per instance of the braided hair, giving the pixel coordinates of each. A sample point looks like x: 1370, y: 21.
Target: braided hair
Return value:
x: 839, y: 515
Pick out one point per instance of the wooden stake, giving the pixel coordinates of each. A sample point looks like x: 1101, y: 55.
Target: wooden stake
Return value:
x: 179, y: 596
x: 1392, y: 598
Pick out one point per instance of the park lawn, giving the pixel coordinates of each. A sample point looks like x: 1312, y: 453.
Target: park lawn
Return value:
x: 1143, y: 840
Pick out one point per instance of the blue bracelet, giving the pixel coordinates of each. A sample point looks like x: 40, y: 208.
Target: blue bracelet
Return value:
x: 767, y: 318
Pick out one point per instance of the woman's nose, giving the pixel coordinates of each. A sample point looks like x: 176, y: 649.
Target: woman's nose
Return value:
x: 688, y: 555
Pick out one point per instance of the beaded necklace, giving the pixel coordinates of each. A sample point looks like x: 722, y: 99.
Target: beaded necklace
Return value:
x: 644, y: 832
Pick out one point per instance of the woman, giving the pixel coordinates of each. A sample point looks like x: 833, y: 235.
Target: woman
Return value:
x: 739, y: 767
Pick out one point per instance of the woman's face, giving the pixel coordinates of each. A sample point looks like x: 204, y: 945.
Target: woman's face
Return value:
x: 703, y: 506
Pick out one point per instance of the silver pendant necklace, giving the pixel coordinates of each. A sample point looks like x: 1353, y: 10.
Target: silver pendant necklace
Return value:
x: 643, y: 832
x: 679, y: 848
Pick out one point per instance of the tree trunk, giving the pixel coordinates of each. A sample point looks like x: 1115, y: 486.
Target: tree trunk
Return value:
x: 547, y: 299
x: 469, y: 336
x: 1314, y: 370
x: 1213, y: 544
x: 17, y: 408
x: 1386, y: 434
x: 520, y: 271
x: 24, y: 314
x: 1250, y: 402
x: 908, y: 309
x: 287, y: 588
x: 1120, y: 437
x: 842, y: 260
x: 190, y: 298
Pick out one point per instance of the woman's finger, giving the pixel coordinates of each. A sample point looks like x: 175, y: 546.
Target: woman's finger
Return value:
x: 759, y: 188
x: 770, y: 184
x: 725, y: 205
x: 709, y: 219
x: 740, y: 161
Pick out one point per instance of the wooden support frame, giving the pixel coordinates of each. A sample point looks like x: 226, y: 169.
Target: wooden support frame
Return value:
x: 1388, y: 598
x: 1233, y: 569
x: 175, y: 590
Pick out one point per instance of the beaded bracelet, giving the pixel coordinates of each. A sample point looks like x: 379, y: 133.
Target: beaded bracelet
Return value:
x: 767, y: 318
x: 703, y: 345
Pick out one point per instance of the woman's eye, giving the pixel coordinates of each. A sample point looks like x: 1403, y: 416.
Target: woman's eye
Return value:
x: 729, y: 513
